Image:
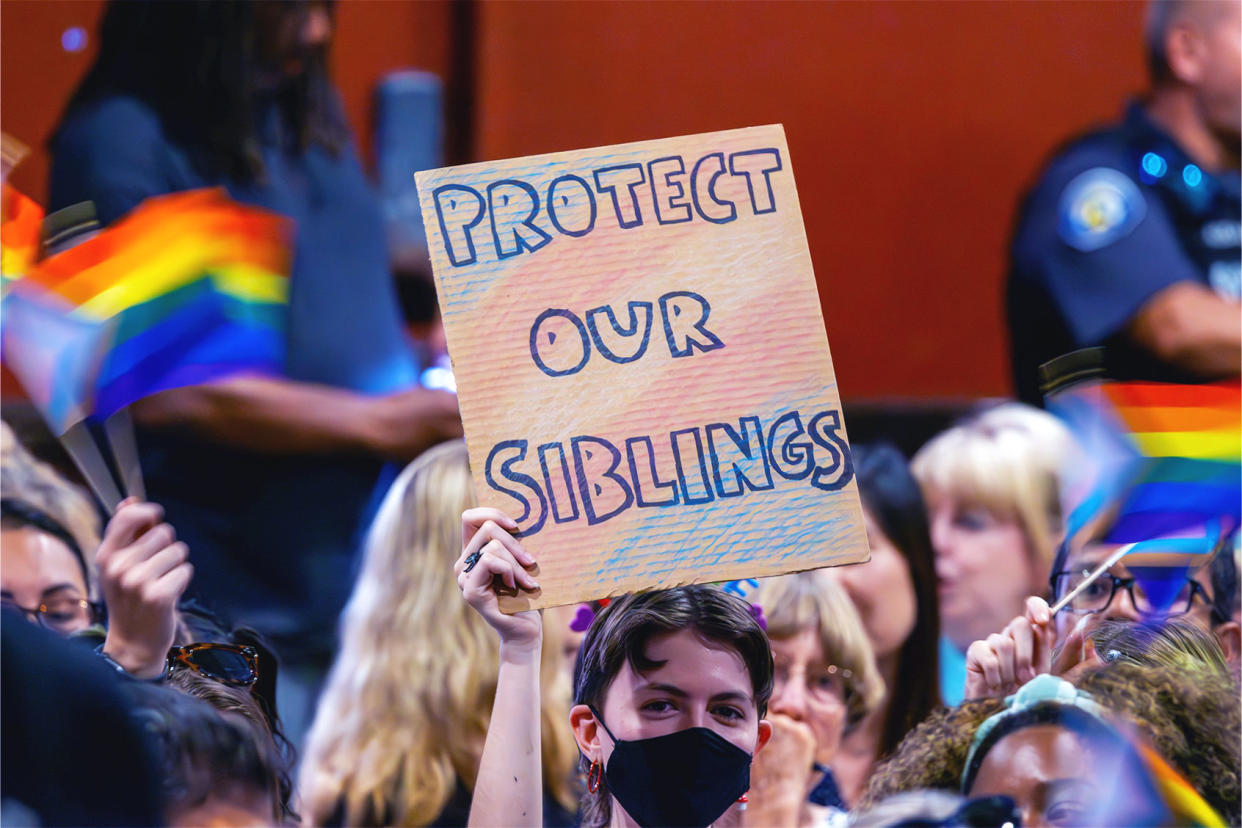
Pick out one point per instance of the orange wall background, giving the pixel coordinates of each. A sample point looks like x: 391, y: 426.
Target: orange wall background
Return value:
x: 913, y: 128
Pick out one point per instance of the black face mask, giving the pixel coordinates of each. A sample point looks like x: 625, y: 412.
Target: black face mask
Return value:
x: 685, y: 779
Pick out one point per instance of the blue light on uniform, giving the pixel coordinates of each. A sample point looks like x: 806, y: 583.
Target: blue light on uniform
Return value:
x: 1192, y: 175
x: 1154, y: 165
x: 73, y: 39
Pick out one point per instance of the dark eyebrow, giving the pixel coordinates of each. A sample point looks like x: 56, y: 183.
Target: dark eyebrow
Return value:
x: 674, y: 690
x: 58, y: 588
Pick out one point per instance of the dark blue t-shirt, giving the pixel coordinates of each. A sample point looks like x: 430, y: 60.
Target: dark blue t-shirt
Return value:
x: 271, y: 536
x: 1116, y: 216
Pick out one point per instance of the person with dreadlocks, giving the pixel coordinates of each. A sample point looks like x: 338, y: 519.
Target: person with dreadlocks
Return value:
x: 269, y: 479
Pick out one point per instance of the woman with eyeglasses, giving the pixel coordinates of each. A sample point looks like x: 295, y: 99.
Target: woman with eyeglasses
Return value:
x: 1038, y: 642
x: 826, y: 683
x: 43, y: 573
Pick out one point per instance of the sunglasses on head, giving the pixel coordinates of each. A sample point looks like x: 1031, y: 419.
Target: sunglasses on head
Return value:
x: 228, y: 663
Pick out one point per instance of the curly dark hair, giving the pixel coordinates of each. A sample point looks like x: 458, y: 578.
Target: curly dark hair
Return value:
x: 1191, y: 717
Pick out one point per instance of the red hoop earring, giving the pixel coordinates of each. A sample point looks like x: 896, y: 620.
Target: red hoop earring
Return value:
x: 593, y: 776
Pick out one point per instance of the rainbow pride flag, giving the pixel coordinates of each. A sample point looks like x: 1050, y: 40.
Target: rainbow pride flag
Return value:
x: 1165, y: 464
x: 194, y: 287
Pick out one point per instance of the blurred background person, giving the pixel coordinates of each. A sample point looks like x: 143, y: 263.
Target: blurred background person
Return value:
x: 1205, y: 596
x: 141, y: 576
x: 215, y: 768
x: 825, y: 684
x: 1130, y: 239
x: 399, y: 731
x: 143, y: 571
x: 991, y: 486
x: 195, y: 94
x: 1061, y: 773
x: 71, y: 752
x: 895, y: 594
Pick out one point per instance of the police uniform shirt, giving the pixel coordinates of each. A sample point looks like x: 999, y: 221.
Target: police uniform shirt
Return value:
x: 1116, y: 217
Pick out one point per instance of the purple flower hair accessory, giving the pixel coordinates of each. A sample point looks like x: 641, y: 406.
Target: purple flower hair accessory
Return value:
x: 582, y: 619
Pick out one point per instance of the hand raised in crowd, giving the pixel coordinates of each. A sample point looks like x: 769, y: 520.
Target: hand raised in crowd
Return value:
x: 1028, y: 646
x: 143, y: 571
x: 408, y: 422
x: 1004, y: 661
x: 780, y: 774
x: 492, y: 558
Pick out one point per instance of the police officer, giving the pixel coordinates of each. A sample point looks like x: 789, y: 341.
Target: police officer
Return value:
x: 1130, y: 238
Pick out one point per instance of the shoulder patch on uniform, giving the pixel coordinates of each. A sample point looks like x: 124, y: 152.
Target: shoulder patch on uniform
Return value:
x: 1099, y: 207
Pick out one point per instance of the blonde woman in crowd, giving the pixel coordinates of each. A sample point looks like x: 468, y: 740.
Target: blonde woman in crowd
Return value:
x: 399, y: 729
x: 826, y: 683
x: 991, y: 486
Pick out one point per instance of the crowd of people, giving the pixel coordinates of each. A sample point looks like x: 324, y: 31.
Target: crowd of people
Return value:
x: 817, y: 701
x: 217, y: 654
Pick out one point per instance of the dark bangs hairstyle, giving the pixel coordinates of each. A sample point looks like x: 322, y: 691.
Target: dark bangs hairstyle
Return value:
x: 621, y: 632
x: 199, y: 64
x: 892, y: 496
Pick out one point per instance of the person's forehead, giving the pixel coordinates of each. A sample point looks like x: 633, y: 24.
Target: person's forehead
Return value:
x: 35, y: 556
x: 693, y: 665
x: 804, y: 646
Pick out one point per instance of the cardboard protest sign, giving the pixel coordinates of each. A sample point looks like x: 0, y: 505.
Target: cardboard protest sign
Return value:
x: 641, y: 362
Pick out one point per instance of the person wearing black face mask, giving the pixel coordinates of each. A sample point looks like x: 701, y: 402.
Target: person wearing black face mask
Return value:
x: 680, y: 778
x: 670, y: 691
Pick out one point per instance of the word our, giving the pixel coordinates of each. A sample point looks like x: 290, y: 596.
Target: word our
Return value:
x: 521, y: 222
x: 593, y: 479
x: 560, y: 342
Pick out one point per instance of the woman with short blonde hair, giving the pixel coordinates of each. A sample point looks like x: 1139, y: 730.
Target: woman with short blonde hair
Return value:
x: 400, y: 727
x: 993, y: 501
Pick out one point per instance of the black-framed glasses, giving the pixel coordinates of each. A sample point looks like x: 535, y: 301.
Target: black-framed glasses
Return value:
x: 228, y: 663
x: 63, y: 615
x: 1164, y: 597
